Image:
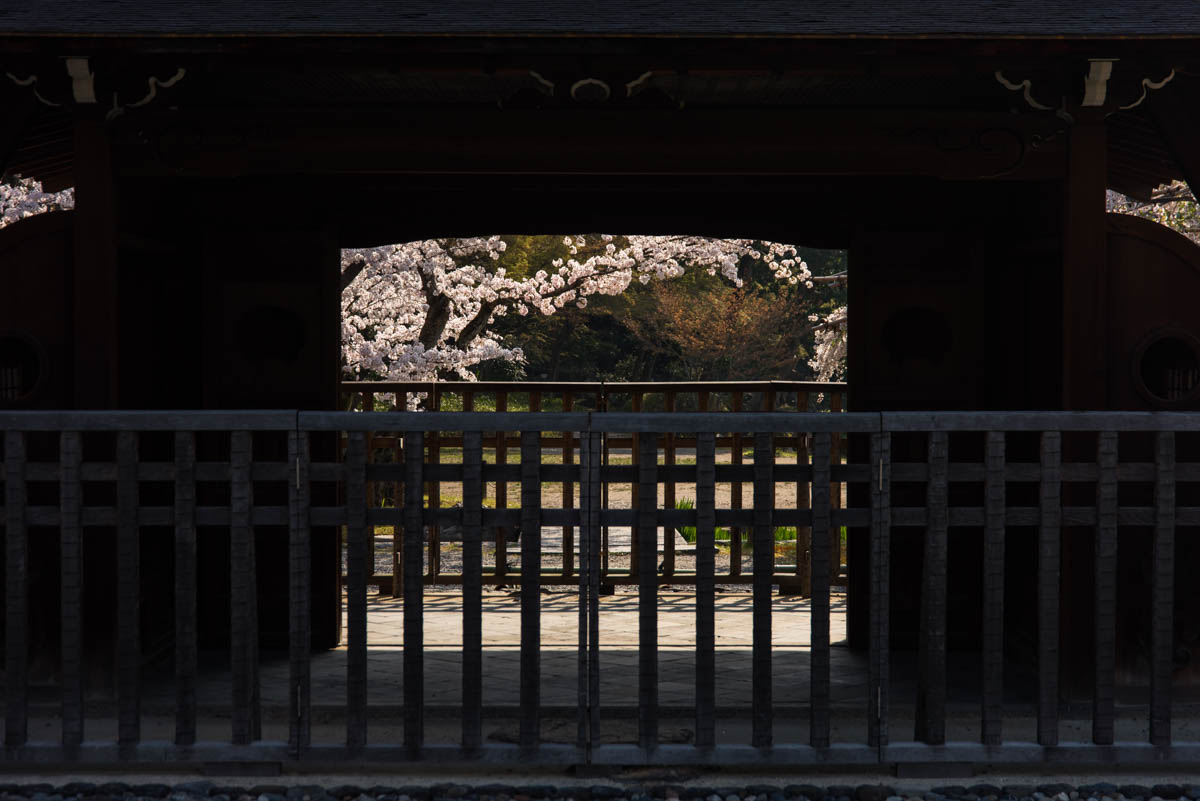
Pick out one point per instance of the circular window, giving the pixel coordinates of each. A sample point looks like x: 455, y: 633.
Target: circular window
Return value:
x: 1167, y: 368
x: 21, y: 367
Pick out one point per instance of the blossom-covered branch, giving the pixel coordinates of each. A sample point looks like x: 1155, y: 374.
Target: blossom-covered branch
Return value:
x: 1172, y: 205
x: 421, y: 310
x: 24, y: 197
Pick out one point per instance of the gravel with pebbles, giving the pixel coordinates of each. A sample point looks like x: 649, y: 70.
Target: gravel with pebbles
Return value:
x: 212, y: 791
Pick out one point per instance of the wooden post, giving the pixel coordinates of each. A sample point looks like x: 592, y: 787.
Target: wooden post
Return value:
x: 1085, y: 265
x: 71, y: 548
x: 635, y: 534
x: 568, y: 492
x: 435, y: 489
x: 602, y: 406
x: 356, y: 590
x: 414, y: 609
x: 468, y: 401
x: 763, y: 563
x: 706, y: 670
x: 819, y: 620
x: 372, y: 487
x: 299, y: 579
x: 1049, y: 561
x: 472, y: 541
x: 644, y: 566
x: 501, y: 487
x: 735, y: 494
x: 95, y: 279
x: 836, y: 404
x: 930, y: 724
x: 531, y: 591
x: 804, y: 541
x: 669, y: 493
x: 16, y: 593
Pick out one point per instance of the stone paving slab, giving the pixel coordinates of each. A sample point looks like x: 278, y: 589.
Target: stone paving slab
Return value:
x: 559, y: 657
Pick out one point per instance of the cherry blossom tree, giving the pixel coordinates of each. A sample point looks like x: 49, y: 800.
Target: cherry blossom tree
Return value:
x: 1172, y: 205
x: 421, y: 310
x: 829, y: 348
x: 23, y: 197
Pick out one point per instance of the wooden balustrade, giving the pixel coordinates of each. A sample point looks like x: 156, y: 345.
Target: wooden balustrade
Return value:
x: 1011, y: 464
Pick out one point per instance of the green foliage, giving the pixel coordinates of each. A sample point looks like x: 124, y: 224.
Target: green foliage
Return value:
x: 781, y: 534
x: 689, y: 532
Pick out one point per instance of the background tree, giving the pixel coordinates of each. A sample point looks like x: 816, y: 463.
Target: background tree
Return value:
x: 1172, y: 205
x: 434, y: 308
x: 22, y: 197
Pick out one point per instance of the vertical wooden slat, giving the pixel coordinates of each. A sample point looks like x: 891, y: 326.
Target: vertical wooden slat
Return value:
x: 591, y: 544
x: 568, y: 492
x: 1106, y: 588
x: 931, y: 675
x: 414, y: 613
x: 668, y: 532
x: 129, y: 651
x: 247, y: 719
x: 835, y: 534
x: 647, y: 592
x: 706, y: 664
x: 299, y: 594
x: 186, y: 653
x: 501, y: 566
x: 586, y: 599
x: 763, y: 566
x: 993, y: 590
x: 356, y: 590
x: 71, y: 544
x: 819, y: 618
x: 396, y: 517
x: 804, y: 543
x: 1049, y: 557
x: 531, y: 589
x: 877, y: 685
x: 16, y: 593
x: 472, y: 528
x: 1162, y: 614
x: 604, y: 493
x: 735, y: 494
x: 372, y: 495
x: 433, y: 445
x: 635, y: 536
x: 706, y: 668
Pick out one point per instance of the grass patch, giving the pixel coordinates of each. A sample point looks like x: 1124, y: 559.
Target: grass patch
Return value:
x: 783, y: 534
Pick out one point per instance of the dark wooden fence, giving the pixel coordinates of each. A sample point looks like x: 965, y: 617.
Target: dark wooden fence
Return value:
x: 540, y: 396
x: 1047, y: 451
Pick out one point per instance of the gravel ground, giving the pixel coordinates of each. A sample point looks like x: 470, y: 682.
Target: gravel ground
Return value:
x: 204, y: 790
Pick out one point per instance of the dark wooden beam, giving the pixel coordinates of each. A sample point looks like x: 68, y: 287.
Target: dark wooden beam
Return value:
x: 1085, y: 265
x: 947, y: 145
x: 95, y: 278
